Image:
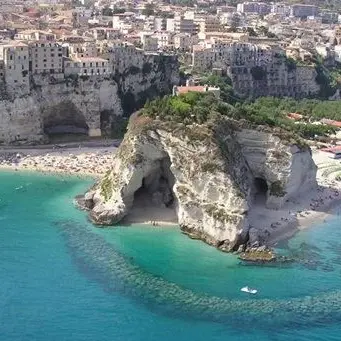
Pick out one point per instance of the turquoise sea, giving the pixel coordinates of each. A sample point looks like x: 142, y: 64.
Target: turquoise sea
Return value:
x: 62, y: 279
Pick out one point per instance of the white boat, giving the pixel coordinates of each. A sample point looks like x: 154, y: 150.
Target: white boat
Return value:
x: 249, y: 290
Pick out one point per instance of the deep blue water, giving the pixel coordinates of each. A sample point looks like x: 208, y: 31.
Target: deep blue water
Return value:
x: 63, y: 279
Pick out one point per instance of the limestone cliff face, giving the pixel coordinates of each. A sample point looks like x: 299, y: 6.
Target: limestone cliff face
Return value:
x: 286, y: 168
x: 206, y: 172
x: 78, y: 104
x: 74, y: 103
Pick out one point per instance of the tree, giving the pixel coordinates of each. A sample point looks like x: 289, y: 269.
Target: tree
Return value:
x: 118, y: 10
x: 148, y: 10
x: 107, y: 11
x: 252, y: 32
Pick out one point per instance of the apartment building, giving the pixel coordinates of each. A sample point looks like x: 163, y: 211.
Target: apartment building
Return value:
x: 46, y: 58
x: 303, y: 11
x: 83, y: 49
x: 254, y: 7
x: 222, y: 54
x: 183, y: 25
x: 29, y: 35
x: 164, y: 39
x: 87, y: 66
x: 15, y: 58
x: 160, y: 24
x: 329, y: 17
x: 281, y: 9
x: 209, y: 23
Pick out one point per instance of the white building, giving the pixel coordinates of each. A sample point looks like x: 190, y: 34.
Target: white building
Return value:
x: 164, y: 39
x: 87, y: 67
x: 16, y: 67
x: 34, y: 35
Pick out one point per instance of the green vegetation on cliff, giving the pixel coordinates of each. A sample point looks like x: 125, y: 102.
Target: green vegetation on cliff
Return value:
x: 201, y: 107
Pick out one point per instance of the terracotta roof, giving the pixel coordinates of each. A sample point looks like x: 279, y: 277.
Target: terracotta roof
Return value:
x: 295, y: 116
x: 331, y: 122
x: 185, y: 89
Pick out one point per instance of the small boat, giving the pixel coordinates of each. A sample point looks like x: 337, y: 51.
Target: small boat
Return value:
x: 249, y: 290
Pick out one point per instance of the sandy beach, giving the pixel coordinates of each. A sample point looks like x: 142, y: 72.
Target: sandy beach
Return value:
x: 88, y: 160
x: 298, y: 213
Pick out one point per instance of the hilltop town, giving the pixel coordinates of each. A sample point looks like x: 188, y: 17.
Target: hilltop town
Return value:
x: 258, y: 48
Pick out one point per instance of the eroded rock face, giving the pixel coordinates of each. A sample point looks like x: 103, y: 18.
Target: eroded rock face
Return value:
x: 206, y: 171
x: 72, y: 104
x: 286, y: 169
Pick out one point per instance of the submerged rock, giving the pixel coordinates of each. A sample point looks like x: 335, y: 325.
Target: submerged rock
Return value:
x: 206, y: 172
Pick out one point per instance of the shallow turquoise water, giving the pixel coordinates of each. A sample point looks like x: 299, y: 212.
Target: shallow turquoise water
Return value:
x: 62, y: 279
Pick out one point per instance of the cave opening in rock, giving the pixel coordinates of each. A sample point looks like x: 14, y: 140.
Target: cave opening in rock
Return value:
x: 64, y: 122
x: 261, y: 190
x: 155, y: 201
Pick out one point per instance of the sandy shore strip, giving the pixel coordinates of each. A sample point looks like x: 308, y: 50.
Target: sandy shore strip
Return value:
x: 298, y: 213
x: 91, y: 161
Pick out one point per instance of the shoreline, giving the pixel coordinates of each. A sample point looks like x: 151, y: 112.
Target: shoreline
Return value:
x: 303, y: 223
x: 72, y: 161
x: 273, y: 224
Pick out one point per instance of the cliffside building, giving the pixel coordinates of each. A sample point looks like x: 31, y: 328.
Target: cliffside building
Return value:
x: 87, y: 67
x: 16, y: 67
x: 46, y: 58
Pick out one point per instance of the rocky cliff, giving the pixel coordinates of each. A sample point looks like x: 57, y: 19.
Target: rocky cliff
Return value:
x: 81, y: 104
x: 209, y: 173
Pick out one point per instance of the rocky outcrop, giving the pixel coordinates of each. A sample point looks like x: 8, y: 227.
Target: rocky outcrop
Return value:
x: 207, y: 172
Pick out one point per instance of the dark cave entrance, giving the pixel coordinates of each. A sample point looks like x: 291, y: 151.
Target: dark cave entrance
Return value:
x: 155, y: 201
x: 260, y: 190
x: 64, y: 122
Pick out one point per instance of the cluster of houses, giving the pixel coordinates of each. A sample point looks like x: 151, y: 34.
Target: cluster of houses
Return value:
x: 91, y: 38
